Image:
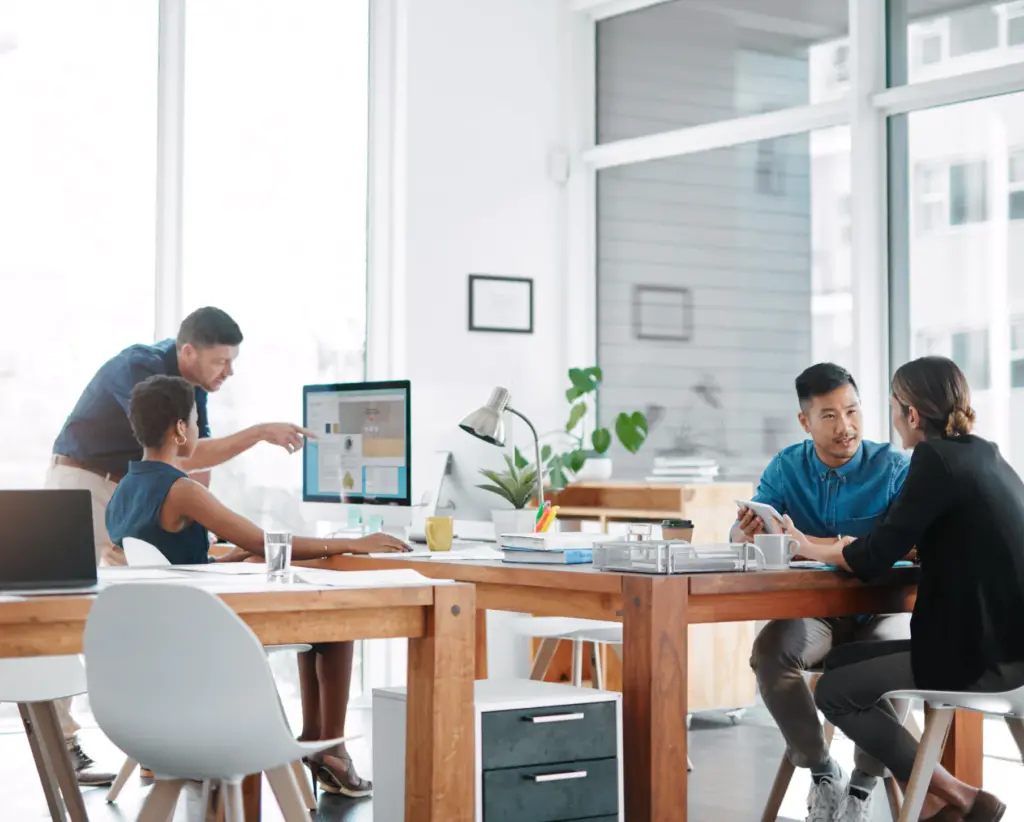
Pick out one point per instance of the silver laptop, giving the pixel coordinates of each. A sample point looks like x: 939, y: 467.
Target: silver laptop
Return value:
x: 46, y: 542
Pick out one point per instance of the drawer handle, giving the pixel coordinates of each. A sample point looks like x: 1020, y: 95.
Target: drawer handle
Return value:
x: 554, y: 718
x: 558, y: 777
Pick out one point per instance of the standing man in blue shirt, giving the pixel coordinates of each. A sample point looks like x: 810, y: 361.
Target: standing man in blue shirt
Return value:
x: 832, y: 485
x: 96, y: 444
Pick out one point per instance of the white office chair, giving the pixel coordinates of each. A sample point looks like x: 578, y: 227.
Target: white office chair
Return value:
x: 140, y: 553
x: 34, y: 683
x: 214, y: 734
x: 943, y: 704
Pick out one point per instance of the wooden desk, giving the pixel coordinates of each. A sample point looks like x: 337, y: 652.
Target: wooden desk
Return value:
x: 655, y: 612
x: 438, y: 621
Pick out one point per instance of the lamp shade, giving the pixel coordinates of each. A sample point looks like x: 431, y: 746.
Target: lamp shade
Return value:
x: 487, y: 422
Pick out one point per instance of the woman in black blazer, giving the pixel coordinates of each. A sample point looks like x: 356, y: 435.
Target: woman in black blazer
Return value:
x: 962, y: 507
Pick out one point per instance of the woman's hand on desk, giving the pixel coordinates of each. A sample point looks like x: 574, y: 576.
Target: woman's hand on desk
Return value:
x: 379, y: 543
x: 236, y: 554
x: 829, y: 551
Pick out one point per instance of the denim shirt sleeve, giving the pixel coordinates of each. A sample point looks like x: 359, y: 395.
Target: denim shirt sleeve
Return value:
x: 769, y: 489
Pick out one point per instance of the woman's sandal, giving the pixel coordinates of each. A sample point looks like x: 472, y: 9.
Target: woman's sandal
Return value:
x: 346, y: 783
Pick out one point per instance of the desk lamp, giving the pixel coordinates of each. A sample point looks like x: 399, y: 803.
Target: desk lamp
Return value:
x: 487, y: 423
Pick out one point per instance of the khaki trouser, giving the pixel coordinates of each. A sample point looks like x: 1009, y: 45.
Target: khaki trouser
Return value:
x: 101, y: 490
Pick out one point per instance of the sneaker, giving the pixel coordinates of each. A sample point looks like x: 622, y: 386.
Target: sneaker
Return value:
x: 824, y: 799
x: 854, y: 809
x: 83, y: 764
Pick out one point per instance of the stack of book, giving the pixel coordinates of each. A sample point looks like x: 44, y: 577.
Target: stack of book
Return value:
x: 683, y: 470
x: 569, y: 548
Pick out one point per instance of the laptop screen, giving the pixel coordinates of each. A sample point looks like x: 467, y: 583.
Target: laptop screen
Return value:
x: 46, y: 540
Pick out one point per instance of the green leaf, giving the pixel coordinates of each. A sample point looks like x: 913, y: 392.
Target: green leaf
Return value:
x: 558, y: 478
x: 521, y: 461
x: 601, y: 439
x: 596, y: 373
x: 545, y: 453
x: 576, y: 413
x: 501, y: 492
x: 631, y: 429
x: 576, y: 461
x: 500, y: 480
x: 513, y: 472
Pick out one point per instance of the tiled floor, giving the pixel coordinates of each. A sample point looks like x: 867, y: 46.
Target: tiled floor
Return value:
x: 735, y: 766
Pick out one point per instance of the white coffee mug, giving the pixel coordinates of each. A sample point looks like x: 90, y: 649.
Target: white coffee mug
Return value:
x: 775, y: 550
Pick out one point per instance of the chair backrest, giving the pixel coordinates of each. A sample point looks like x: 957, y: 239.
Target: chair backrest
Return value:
x: 41, y: 678
x: 139, y: 552
x: 177, y: 680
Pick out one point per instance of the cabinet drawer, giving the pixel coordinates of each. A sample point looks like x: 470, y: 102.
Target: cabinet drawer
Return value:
x: 561, y: 733
x: 549, y: 793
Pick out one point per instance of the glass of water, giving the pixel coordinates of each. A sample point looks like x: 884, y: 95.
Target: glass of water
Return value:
x: 638, y: 532
x: 277, y: 546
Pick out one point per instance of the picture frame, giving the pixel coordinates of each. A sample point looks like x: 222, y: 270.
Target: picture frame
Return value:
x: 662, y: 313
x: 500, y: 305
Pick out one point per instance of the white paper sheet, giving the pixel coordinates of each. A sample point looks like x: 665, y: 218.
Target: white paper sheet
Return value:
x: 398, y: 578
x: 226, y: 568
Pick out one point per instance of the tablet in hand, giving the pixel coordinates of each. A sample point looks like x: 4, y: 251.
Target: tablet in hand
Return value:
x: 772, y: 518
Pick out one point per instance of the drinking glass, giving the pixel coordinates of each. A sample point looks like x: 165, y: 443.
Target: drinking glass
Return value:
x: 277, y: 546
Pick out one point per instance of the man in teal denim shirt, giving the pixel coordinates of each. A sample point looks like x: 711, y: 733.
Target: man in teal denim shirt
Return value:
x: 832, y: 485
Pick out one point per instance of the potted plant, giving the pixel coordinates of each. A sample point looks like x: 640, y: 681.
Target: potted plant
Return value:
x: 589, y: 460
x: 517, y: 486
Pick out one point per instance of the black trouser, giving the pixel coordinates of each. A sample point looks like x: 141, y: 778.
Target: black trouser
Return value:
x: 850, y: 694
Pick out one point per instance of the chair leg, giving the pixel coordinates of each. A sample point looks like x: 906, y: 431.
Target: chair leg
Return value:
x: 45, y: 769
x: 282, y: 783
x: 1016, y: 726
x: 689, y: 763
x: 234, y: 807
x: 162, y: 800
x: 928, y: 754
x: 51, y: 738
x: 577, y: 663
x: 299, y: 771
x: 783, y: 776
x: 911, y: 724
x: 127, y: 769
x: 895, y: 797
x: 596, y: 668
x: 830, y: 732
x: 545, y: 653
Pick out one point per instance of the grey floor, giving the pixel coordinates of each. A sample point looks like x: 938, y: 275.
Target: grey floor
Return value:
x: 735, y: 765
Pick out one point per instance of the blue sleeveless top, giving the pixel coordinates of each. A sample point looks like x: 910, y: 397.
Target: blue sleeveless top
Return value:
x: 134, y: 511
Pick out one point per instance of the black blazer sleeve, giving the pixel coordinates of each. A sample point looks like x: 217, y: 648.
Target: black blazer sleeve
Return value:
x: 924, y: 495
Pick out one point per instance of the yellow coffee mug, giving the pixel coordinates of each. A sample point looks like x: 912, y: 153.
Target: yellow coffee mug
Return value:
x: 440, y: 532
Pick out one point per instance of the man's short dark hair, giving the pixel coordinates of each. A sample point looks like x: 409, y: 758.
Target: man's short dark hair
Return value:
x: 207, y: 327
x: 822, y: 379
x: 156, y: 404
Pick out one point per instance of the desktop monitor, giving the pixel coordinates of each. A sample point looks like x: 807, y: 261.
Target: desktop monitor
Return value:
x: 363, y: 451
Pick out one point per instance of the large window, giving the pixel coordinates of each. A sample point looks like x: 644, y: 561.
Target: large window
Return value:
x: 681, y: 64
x: 275, y: 215
x: 77, y: 194
x: 790, y: 220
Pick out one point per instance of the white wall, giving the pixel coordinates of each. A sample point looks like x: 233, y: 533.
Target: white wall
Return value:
x: 479, y: 108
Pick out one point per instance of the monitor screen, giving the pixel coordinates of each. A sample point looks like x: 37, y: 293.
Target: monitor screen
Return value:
x: 363, y: 450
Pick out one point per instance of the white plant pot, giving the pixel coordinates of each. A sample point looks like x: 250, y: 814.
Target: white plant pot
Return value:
x: 514, y: 521
x: 595, y: 469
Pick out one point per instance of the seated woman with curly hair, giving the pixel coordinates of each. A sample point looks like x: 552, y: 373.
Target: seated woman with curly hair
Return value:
x: 157, y: 502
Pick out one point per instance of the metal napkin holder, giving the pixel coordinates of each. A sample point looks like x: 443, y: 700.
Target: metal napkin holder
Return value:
x: 674, y: 557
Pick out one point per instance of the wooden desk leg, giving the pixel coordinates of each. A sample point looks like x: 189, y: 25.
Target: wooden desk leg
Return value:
x: 963, y: 754
x: 481, y: 644
x: 440, y: 738
x: 46, y: 725
x: 654, y: 682
x: 252, y: 796
x: 44, y: 767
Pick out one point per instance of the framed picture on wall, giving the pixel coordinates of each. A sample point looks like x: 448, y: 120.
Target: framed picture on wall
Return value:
x: 500, y: 304
x: 661, y: 313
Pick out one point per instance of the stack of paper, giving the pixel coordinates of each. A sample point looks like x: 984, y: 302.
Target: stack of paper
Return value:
x: 683, y: 470
x: 567, y: 548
